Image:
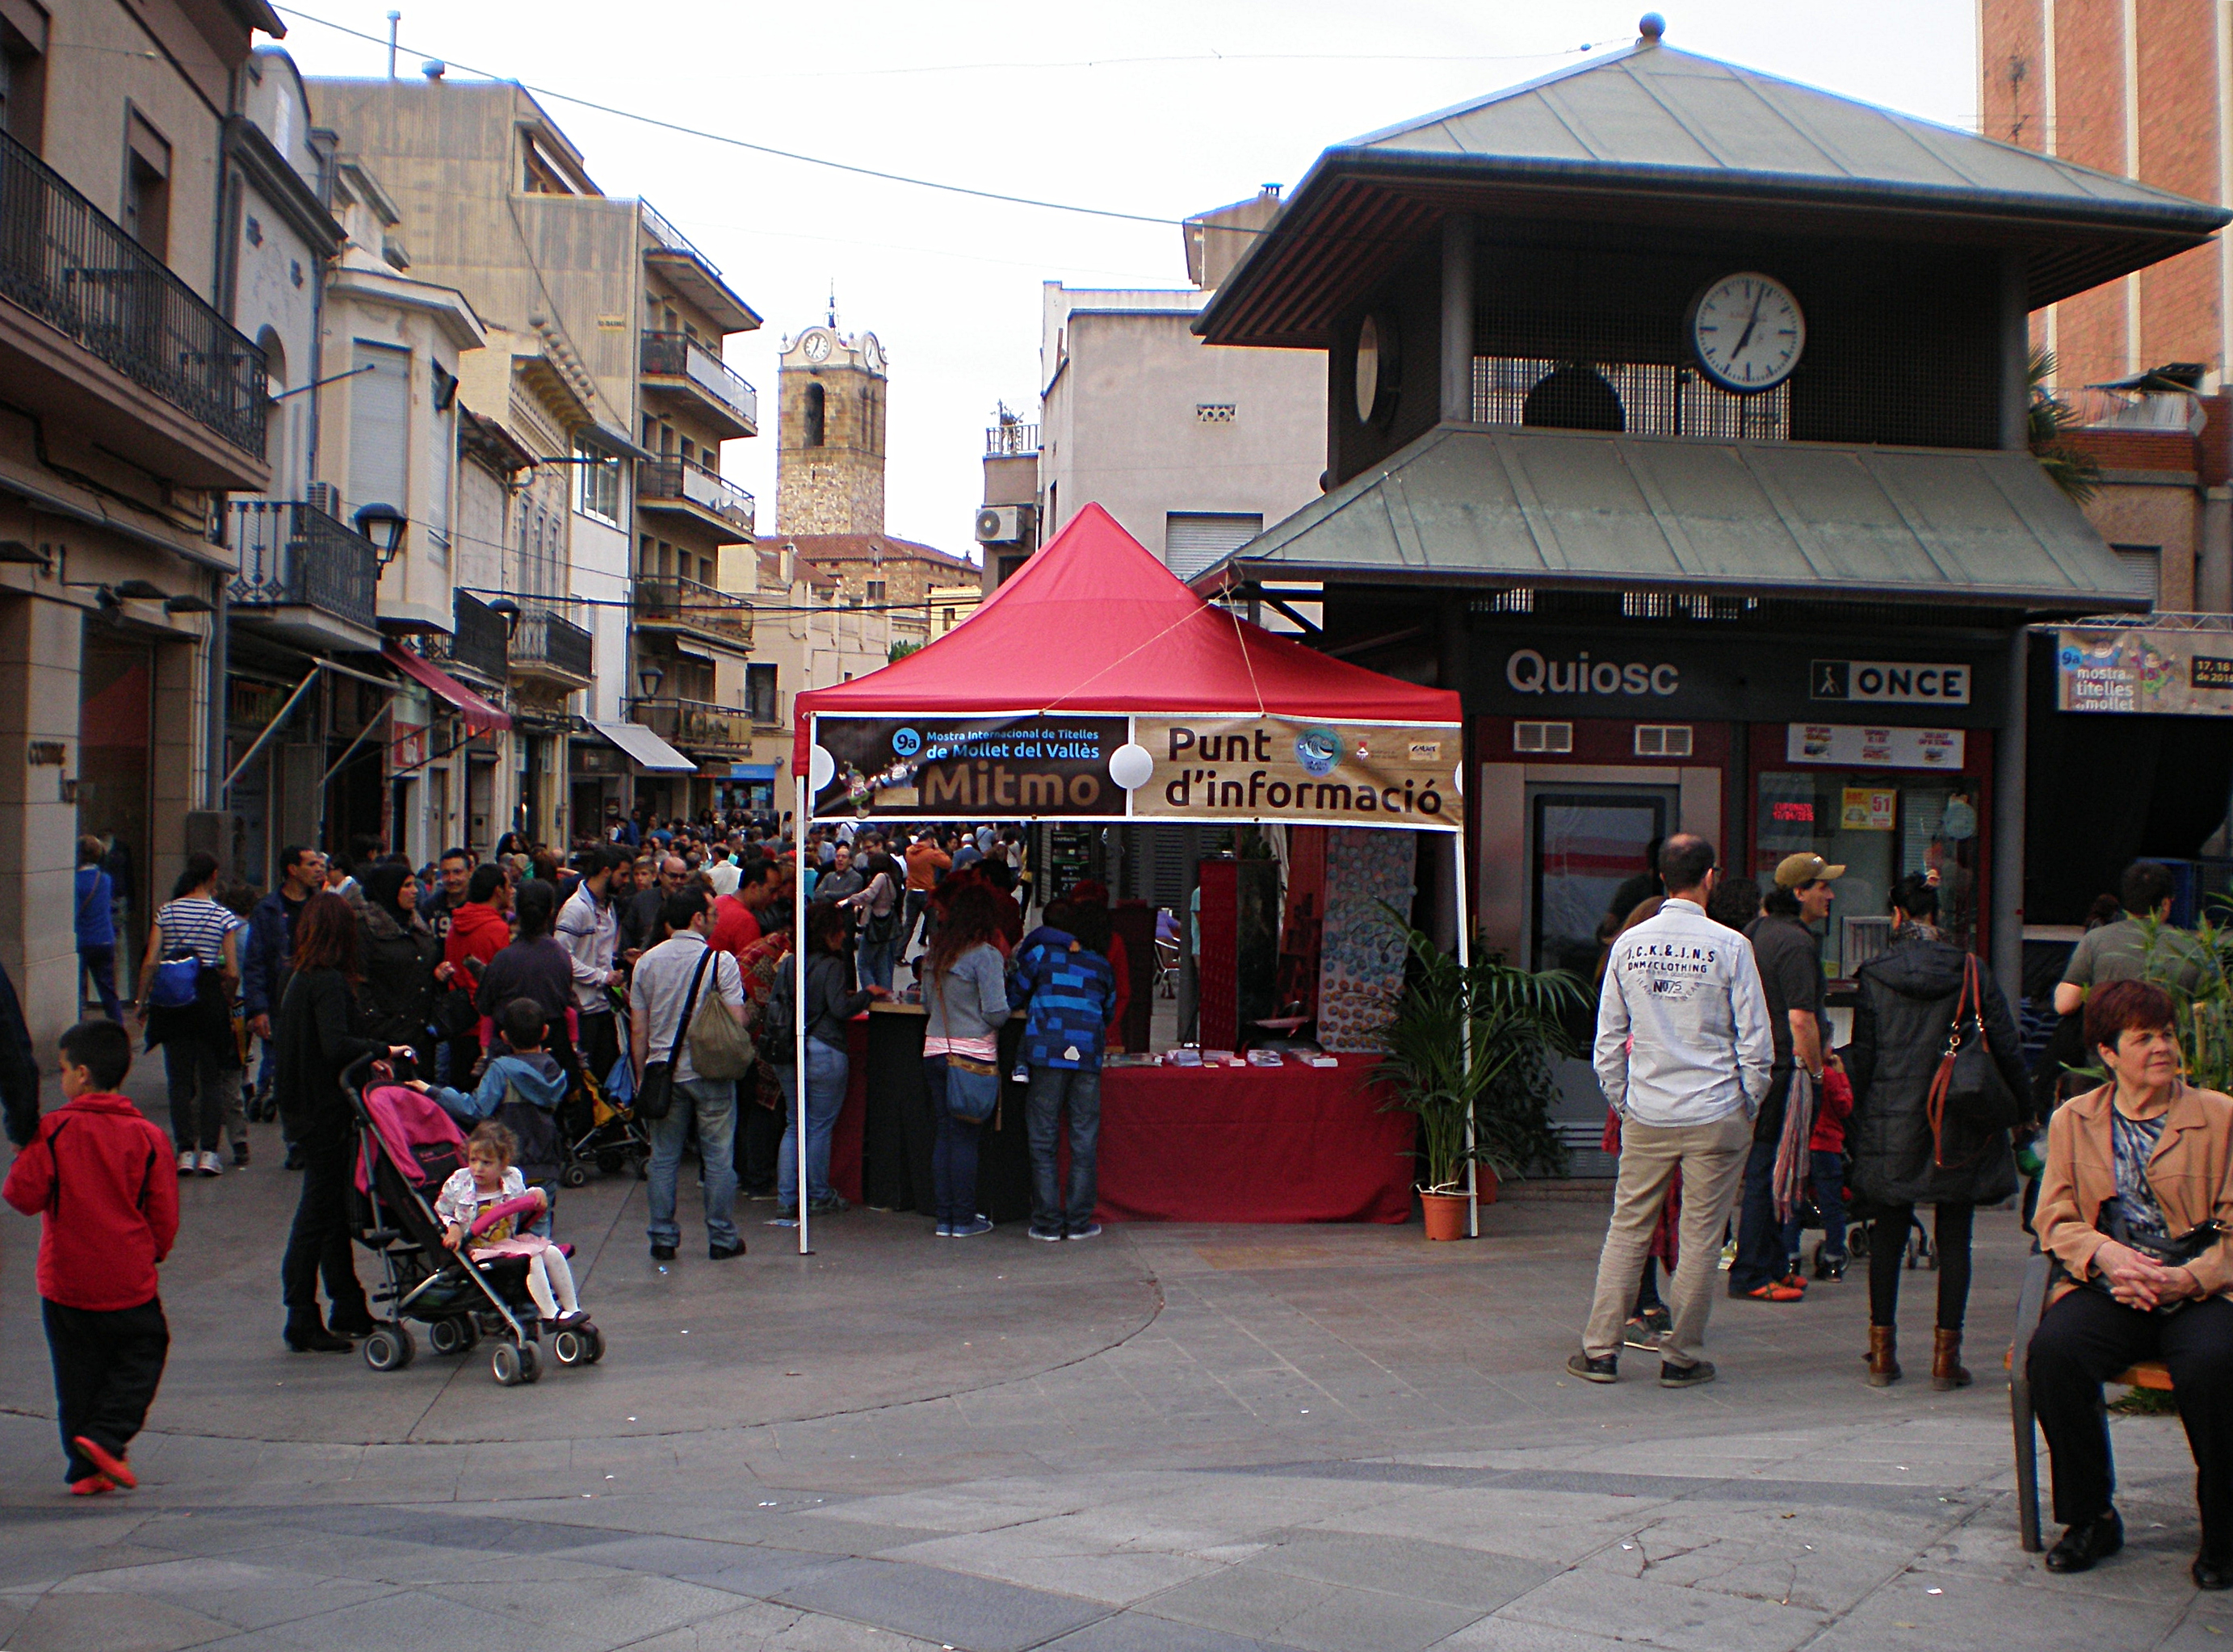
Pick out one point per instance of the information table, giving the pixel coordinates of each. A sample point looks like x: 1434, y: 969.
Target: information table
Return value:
x: 1222, y: 1144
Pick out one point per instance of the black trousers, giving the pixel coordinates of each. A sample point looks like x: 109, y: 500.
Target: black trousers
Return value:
x: 600, y: 1045
x: 107, y: 1366
x: 319, y: 1244
x: 2087, y: 1338
x: 759, y: 1138
x: 1888, y: 1254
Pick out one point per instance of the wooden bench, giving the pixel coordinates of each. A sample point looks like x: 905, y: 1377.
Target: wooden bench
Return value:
x: 2030, y: 1304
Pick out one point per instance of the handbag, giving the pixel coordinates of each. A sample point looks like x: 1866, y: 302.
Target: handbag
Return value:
x: 176, y: 984
x: 1968, y: 1094
x: 719, y: 1046
x: 973, y: 1088
x: 654, y: 1092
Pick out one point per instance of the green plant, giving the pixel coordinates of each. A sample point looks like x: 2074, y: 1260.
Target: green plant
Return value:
x: 1501, y: 1082
x: 2195, y: 967
x: 900, y: 648
x: 2070, y: 468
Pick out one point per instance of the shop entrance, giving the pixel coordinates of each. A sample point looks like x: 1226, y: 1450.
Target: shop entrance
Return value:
x: 1584, y: 843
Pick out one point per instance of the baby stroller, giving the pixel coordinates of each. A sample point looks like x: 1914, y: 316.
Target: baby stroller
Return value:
x: 406, y: 1148
x: 597, y: 1125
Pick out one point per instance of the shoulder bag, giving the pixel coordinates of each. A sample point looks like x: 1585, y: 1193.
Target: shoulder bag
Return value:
x: 654, y: 1092
x: 719, y: 1046
x: 1970, y: 1099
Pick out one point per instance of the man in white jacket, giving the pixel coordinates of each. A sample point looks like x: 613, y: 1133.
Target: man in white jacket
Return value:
x: 1684, y: 1053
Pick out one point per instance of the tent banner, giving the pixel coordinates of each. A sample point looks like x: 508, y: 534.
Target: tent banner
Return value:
x: 970, y: 768
x: 1273, y: 768
x: 2137, y: 669
x: 1218, y: 767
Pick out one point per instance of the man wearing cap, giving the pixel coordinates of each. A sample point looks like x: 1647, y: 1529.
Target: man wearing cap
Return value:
x: 1790, y: 957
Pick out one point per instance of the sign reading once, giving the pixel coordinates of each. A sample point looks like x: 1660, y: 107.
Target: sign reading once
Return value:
x: 2138, y: 669
x: 1889, y: 682
x: 1259, y: 768
x: 970, y: 768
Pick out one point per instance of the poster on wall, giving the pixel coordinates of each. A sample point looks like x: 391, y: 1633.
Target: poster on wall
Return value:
x: 1254, y: 768
x: 1854, y: 745
x: 973, y: 767
x: 1361, y: 956
x: 2138, y: 670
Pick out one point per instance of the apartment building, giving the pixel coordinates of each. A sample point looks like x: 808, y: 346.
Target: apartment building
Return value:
x: 807, y: 634
x: 496, y: 201
x: 129, y: 406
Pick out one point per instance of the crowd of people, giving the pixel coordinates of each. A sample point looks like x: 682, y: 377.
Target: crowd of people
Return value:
x: 1728, y: 1100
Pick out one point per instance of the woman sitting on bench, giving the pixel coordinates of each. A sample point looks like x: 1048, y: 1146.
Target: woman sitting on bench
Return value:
x: 2136, y: 1205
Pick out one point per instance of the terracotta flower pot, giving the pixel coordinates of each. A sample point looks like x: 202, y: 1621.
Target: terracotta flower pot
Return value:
x: 1446, y: 1215
x: 1486, y: 1184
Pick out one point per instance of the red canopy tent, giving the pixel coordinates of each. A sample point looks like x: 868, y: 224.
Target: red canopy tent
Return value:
x: 1093, y: 623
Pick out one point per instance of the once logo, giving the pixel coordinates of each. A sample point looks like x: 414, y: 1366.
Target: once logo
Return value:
x: 1530, y: 672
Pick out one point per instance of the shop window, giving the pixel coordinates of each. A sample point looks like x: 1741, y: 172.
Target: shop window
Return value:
x: 761, y: 694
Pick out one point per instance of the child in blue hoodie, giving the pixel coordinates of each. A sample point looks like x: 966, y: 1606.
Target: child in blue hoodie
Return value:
x: 520, y: 1088
x: 1068, y: 993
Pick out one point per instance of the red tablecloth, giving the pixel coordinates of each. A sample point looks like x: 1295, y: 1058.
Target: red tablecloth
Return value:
x: 1291, y: 1144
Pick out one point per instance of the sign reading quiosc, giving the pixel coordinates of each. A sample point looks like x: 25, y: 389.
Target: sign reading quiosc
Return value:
x: 1649, y: 675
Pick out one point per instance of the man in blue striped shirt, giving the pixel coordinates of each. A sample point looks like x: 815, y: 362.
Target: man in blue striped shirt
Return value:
x: 1068, y: 993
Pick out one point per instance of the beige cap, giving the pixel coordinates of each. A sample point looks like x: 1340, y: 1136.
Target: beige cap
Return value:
x: 1796, y: 870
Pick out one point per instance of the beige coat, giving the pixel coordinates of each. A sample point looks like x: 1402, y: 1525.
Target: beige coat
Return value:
x: 2190, y: 1171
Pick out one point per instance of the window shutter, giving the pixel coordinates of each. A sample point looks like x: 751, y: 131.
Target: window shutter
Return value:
x: 379, y: 428
x: 1195, y: 539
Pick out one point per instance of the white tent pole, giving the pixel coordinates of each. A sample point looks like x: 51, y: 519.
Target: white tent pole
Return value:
x: 1465, y: 961
x: 798, y: 992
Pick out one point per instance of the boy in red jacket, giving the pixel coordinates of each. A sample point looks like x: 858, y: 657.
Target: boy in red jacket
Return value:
x: 98, y: 1175
x: 1834, y: 1105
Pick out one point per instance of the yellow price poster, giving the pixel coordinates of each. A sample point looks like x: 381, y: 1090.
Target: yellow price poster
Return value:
x: 1868, y: 810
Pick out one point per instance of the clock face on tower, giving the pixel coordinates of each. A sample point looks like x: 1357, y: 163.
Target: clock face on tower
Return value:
x: 1747, y: 332
x: 872, y: 353
x: 816, y: 346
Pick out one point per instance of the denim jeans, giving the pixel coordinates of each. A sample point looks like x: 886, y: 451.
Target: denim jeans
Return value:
x: 712, y: 1103
x: 954, y: 1154
x: 1051, y: 1088
x: 1827, y: 1171
x: 204, y: 1097
x: 100, y: 962
x: 828, y: 1070
x: 877, y: 963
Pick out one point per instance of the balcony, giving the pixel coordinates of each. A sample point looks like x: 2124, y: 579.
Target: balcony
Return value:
x: 476, y: 649
x: 304, y: 576
x: 680, y: 366
x: 695, y: 727
x: 75, y: 270
x: 665, y: 604
x: 684, y: 487
x: 1011, y: 439
x: 548, y: 645
x: 693, y: 275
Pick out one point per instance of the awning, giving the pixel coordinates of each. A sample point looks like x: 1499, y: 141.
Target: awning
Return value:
x: 646, y: 749
x: 481, y: 718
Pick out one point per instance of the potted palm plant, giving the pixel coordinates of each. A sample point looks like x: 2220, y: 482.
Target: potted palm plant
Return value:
x: 1471, y: 1045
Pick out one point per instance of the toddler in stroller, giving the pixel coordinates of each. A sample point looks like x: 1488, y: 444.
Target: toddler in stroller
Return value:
x: 480, y: 1206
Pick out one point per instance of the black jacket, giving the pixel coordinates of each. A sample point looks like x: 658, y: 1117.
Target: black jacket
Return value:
x: 1907, y: 1007
x: 398, y: 991
x: 319, y: 1031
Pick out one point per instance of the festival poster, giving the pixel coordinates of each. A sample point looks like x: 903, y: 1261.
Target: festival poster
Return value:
x: 1282, y: 768
x: 1361, y: 960
x: 991, y: 767
x: 2142, y: 669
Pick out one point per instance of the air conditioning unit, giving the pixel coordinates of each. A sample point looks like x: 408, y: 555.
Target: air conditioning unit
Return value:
x: 1002, y: 524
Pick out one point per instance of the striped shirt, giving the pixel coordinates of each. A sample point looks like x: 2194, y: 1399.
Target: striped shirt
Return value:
x: 196, y: 925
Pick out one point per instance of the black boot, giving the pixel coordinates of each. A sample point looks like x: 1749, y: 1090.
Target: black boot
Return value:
x: 2086, y: 1542
x: 353, y: 1320
x: 307, y: 1334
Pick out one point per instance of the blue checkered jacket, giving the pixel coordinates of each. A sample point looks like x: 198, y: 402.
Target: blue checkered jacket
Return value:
x: 1067, y: 998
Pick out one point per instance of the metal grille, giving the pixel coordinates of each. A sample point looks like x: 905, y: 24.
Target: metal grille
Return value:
x: 1656, y: 398
x: 295, y: 554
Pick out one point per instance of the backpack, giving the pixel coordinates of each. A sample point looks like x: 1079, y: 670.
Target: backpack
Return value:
x: 777, y: 1035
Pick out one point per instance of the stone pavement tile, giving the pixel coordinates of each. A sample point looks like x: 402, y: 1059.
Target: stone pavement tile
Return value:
x: 1969, y: 1615
x: 1035, y: 1557
x: 1819, y: 1566
x: 1319, y: 1616
x: 2196, y: 1635
x: 763, y: 1628
x: 105, y: 1623
x: 1138, y: 1632
x: 410, y: 1621
x: 47, y: 1547
x: 1422, y: 1571
x: 245, y: 1597
x: 607, y: 1609
x: 1560, y: 1526
x: 2151, y: 1568
x: 1664, y: 1615
x: 982, y: 1614
x: 1507, y: 1635
x: 734, y: 1568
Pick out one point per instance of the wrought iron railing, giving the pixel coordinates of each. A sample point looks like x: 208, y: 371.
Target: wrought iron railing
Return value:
x: 686, y: 479
x: 1011, y: 439
x: 677, y: 355
x: 672, y: 239
x: 685, y: 603
x: 696, y: 726
x: 294, y: 554
x: 76, y: 269
x: 546, y: 637
x: 476, y: 644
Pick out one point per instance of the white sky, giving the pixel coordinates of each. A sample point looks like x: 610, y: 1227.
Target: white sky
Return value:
x: 1034, y: 98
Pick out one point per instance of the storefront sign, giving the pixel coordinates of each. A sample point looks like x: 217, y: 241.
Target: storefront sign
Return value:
x: 1258, y: 768
x: 408, y: 749
x: 1889, y: 682
x: 2140, y: 669
x: 1854, y: 745
x: 1866, y: 809
x: 971, y: 768
x: 1530, y: 670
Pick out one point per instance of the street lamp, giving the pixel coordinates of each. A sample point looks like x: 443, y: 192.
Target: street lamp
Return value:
x: 650, y: 676
x: 507, y: 610
x: 383, y: 524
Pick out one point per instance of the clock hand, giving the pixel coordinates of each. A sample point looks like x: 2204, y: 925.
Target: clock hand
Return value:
x: 1751, y: 322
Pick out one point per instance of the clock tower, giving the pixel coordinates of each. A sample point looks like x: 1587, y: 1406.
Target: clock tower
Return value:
x: 829, y: 439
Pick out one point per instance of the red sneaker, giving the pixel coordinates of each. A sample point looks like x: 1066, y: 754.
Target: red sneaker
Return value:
x: 91, y: 1486
x: 112, y: 1466
x: 1776, y: 1291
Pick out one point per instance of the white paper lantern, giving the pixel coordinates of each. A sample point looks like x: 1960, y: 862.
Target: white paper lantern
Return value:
x: 1131, y: 766
x: 820, y: 767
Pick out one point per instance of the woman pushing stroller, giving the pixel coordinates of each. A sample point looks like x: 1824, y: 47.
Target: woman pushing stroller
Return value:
x: 490, y: 1179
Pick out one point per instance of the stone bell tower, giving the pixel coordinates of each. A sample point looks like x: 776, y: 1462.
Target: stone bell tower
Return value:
x: 829, y: 433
